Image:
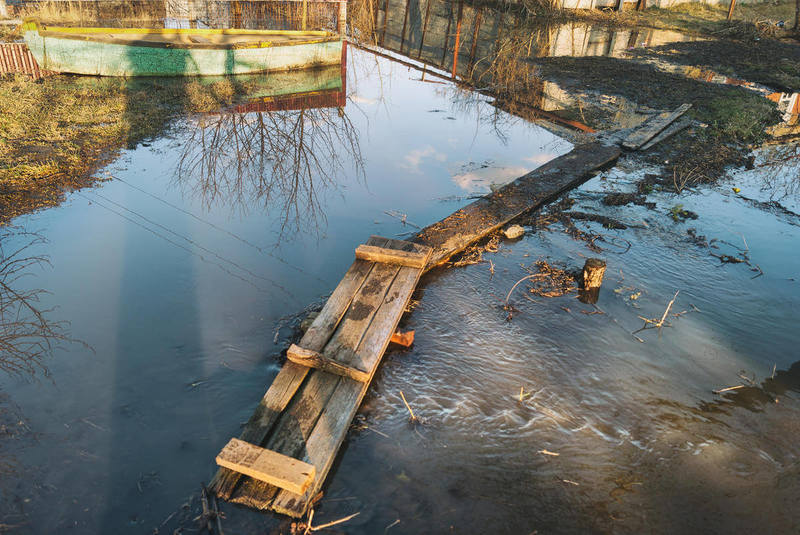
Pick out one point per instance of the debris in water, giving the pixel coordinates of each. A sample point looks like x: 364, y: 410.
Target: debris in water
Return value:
x: 413, y: 418
x: 405, y: 339
x: 550, y: 453
x: 513, y: 232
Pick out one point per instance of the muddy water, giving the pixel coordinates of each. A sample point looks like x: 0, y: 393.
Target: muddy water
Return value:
x: 182, y: 273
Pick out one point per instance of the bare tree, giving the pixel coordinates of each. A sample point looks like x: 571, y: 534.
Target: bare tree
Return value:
x: 27, y: 335
x: 280, y: 160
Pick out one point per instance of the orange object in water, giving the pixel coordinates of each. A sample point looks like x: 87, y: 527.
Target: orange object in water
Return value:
x: 404, y: 339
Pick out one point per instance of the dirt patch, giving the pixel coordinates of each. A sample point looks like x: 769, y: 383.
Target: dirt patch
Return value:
x: 773, y: 63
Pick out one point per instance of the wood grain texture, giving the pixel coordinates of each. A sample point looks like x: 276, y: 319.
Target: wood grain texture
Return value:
x: 291, y: 375
x: 314, y: 359
x: 652, y: 127
x: 331, y: 429
x: 282, y: 471
x: 487, y: 214
x: 290, y: 434
x: 390, y: 256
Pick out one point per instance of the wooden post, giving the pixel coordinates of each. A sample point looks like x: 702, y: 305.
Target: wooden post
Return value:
x: 458, y: 36
x: 342, y: 22
x: 730, y: 9
x: 593, y: 271
x: 405, y: 23
x: 425, y: 27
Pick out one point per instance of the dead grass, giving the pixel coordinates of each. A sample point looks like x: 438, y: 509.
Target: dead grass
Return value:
x: 85, y: 12
x: 55, y: 133
x: 694, y: 17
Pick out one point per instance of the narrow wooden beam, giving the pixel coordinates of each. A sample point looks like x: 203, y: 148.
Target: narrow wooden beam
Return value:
x: 652, y: 127
x: 266, y: 465
x: 391, y: 256
x: 487, y: 214
x: 314, y: 359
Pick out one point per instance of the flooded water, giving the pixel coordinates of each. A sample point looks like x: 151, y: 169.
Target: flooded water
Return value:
x: 178, y: 271
x: 185, y: 274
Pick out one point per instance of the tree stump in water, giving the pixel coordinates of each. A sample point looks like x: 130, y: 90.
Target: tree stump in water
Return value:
x: 593, y: 271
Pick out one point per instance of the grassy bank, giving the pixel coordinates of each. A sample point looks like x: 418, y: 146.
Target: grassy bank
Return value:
x: 56, y: 133
x: 749, y: 20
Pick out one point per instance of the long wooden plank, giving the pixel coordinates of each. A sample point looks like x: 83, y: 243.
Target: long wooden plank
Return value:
x: 292, y: 375
x: 652, y: 127
x: 329, y: 433
x: 314, y: 359
x: 487, y: 214
x: 282, y: 471
x: 292, y: 427
x: 390, y: 256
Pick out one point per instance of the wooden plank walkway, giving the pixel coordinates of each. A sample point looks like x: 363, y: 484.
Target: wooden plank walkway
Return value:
x: 306, y: 412
x: 529, y: 192
x: 308, y: 408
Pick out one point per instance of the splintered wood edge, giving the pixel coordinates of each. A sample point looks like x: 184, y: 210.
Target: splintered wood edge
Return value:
x: 314, y: 359
x: 259, y: 463
x: 392, y: 256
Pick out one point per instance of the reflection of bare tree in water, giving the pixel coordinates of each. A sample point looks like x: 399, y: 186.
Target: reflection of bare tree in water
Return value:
x: 27, y: 335
x: 781, y: 165
x: 279, y: 159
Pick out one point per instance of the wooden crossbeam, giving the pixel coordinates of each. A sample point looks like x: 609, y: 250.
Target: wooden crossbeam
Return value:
x: 397, y: 257
x: 267, y: 465
x: 314, y: 359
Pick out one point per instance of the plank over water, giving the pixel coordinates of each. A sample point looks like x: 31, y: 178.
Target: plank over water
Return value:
x: 311, y: 424
x: 484, y: 216
x: 306, y: 412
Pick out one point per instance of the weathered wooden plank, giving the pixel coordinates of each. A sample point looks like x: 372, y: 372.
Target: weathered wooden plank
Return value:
x: 487, y: 214
x: 290, y: 431
x: 314, y: 359
x: 652, y: 127
x: 391, y: 256
x: 292, y: 375
x: 668, y: 132
x: 331, y: 428
x: 267, y: 465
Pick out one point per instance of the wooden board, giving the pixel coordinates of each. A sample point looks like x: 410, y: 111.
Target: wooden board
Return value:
x: 391, y: 256
x: 652, y: 127
x: 292, y: 375
x: 270, y: 466
x: 313, y: 424
x: 668, y: 132
x: 314, y: 359
x: 458, y: 230
x: 306, y: 412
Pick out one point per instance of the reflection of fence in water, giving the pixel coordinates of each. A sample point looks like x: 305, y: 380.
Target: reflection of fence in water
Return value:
x: 257, y: 14
x: 261, y: 14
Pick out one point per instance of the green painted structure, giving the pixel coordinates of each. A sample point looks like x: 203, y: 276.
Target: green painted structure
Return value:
x: 178, y: 52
